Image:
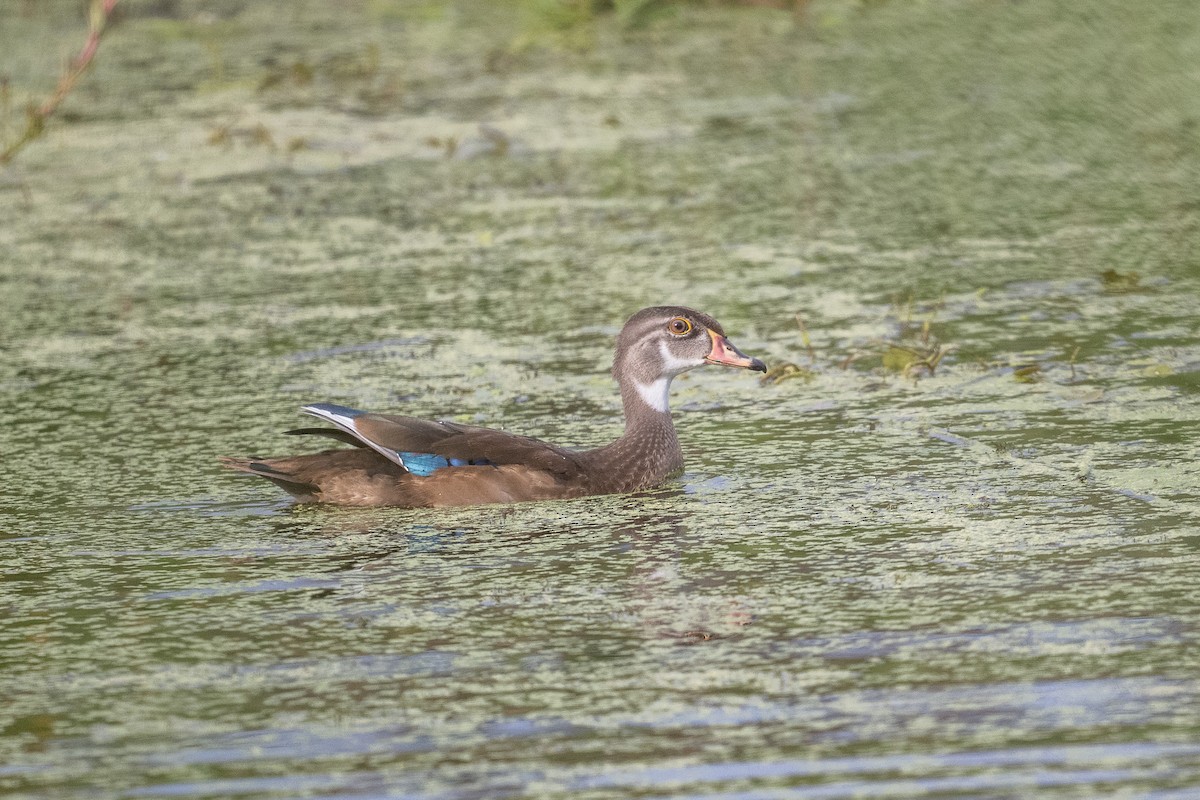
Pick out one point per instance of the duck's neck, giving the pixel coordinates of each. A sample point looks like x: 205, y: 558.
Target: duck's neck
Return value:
x: 648, y: 452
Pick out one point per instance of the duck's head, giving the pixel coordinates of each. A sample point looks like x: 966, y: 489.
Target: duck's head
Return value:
x: 659, y: 343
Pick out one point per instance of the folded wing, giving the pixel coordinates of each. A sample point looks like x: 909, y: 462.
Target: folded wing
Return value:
x: 423, y: 446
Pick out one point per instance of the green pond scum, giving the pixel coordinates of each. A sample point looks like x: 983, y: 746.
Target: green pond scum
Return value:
x: 949, y: 547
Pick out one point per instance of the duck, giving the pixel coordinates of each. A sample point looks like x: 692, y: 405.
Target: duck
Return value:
x: 418, y: 463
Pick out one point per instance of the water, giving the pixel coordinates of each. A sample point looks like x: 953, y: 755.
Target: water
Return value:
x: 977, y: 582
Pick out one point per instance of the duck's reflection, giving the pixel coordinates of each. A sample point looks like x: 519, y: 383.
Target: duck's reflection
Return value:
x: 635, y: 557
x: 672, y: 597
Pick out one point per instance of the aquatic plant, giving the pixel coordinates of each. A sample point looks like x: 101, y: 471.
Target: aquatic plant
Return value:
x: 786, y: 370
x: 912, y: 351
x: 37, y: 115
x: 570, y: 21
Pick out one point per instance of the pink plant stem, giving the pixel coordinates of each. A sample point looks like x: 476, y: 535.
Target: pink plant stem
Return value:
x: 101, y: 9
x: 100, y: 12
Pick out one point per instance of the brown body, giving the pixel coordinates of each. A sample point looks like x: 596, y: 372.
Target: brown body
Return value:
x: 655, y: 345
x: 365, y: 478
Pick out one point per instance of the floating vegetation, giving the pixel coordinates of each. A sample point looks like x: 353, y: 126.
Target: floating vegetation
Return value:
x: 1157, y: 371
x: 356, y: 79
x: 784, y: 371
x: 1028, y: 373
x: 1120, y: 282
x: 299, y: 73
x: 913, y: 360
x: 1029, y: 545
x: 572, y: 23
x: 258, y: 135
x: 913, y: 352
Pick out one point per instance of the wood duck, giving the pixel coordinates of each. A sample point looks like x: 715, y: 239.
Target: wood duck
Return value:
x: 404, y: 461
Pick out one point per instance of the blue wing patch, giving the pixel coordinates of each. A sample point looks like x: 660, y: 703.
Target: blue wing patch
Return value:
x: 425, y: 464
x: 422, y: 464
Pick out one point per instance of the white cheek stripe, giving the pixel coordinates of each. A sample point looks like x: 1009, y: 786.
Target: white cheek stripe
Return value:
x: 655, y: 394
x: 673, y: 365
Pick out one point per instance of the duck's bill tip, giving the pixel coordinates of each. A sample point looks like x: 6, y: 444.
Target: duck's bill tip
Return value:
x: 724, y: 352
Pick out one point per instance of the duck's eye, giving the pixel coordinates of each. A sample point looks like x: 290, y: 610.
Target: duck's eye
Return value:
x: 679, y: 326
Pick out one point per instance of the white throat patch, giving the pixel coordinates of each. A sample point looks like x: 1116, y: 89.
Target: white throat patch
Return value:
x: 655, y: 394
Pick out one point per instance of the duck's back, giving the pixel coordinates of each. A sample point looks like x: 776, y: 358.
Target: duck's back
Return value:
x: 418, y: 463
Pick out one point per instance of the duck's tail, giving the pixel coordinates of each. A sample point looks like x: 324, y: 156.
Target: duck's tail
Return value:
x: 276, y: 472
